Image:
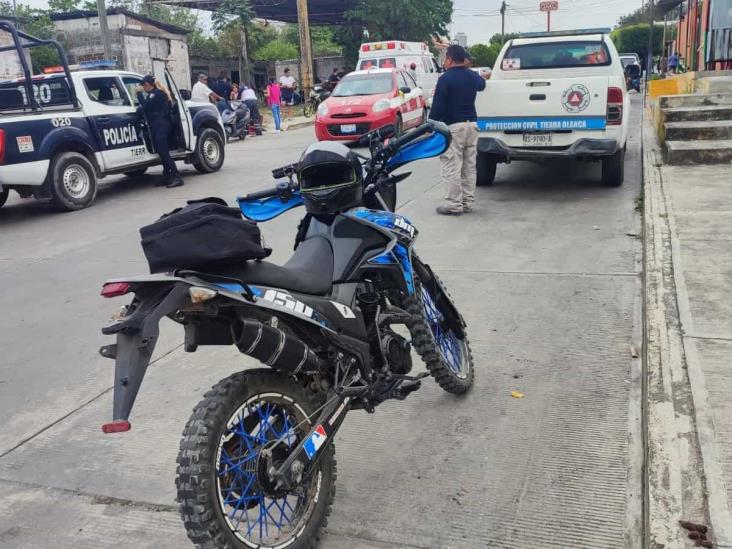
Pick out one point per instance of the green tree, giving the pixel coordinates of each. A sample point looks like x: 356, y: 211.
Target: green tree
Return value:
x: 276, y: 51
x: 496, y: 38
x: 414, y: 20
x: 634, y: 39
x: 484, y: 55
x: 62, y: 6
x: 230, y: 10
x: 641, y: 15
x: 35, y: 22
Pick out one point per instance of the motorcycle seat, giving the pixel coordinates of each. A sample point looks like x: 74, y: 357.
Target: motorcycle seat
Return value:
x: 308, y: 271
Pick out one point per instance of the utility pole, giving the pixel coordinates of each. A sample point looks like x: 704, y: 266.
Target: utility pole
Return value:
x: 244, y: 76
x: 649, y: 60
x: 104, y: 29
x: 306, y: 50
x: 503, y: 21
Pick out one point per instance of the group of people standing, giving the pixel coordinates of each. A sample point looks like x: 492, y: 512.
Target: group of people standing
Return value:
x: 279, y: 95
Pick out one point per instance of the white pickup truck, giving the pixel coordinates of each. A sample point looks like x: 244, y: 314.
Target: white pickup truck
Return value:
x: 555, y: 95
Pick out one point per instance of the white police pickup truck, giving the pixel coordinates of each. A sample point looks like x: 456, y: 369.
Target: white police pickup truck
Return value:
x: 555, y: 95
x: 61, y: 132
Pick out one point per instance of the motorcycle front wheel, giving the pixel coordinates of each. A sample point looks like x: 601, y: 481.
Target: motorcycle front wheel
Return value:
x: 226, y: 497
x: 446, y: 353
x: 308, y: 109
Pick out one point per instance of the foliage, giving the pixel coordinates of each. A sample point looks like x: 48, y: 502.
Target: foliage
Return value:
x: 413, y: 20
x: 35, y: 22
x: 349, y: 38
x: 62, y: 6
x: 496, y: 38
x: 641, y: 15
x: 276, y: 50
x: 634, y: 39
x: 483, y: 55
x: 322, y: 39
x: 232, y: 10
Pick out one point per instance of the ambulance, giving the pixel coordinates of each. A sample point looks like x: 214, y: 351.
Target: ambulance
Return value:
x: 398, y: 54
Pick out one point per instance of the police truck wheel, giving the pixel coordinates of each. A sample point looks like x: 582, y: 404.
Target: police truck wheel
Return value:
x: 136, y: 173
x: 398, y: 127
x: 209, y: 151
x: 4, y: 197
x: 486, y: 170
x: 73, y: 181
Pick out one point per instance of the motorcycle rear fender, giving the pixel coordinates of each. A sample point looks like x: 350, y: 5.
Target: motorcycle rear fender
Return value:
x: 137, y: 334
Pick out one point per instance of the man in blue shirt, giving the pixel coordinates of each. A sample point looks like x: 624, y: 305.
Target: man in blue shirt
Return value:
x: 454, y: 104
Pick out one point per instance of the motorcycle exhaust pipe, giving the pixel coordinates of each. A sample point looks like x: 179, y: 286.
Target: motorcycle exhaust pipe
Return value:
x: 274, y: 347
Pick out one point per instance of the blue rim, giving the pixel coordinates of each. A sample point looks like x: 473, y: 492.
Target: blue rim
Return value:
x: 253, y: 517
x: 448, y: 345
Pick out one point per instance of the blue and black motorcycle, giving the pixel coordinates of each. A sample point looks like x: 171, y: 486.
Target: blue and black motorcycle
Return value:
x: 334, y: 326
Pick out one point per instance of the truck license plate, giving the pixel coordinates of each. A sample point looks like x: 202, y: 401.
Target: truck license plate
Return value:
x: 538, y: 139
x: 348, y: 128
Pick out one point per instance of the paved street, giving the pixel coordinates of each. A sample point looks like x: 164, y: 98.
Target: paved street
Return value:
x: 546, y: 272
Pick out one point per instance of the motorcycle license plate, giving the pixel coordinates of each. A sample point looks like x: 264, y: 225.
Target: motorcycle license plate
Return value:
x: 538, y: 139
x: 348, y: 128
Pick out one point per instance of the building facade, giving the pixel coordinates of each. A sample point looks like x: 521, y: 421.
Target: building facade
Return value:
x: 703, y: 33
x: 139, y: 43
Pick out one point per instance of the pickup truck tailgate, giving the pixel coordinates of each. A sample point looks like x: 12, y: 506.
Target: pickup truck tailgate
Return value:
x: 543, y: 104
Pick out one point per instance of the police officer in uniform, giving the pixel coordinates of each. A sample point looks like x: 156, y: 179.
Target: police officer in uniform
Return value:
x: 156, y: 107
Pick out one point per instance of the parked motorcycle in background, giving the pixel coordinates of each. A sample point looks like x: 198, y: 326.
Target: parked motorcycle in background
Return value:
x: 317, y: 95
x: 633, y: 77
x: 236, y: 118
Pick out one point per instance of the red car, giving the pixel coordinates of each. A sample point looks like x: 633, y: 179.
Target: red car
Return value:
x: 366, y: 100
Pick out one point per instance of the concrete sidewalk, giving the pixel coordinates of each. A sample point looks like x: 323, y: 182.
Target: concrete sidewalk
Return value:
x: 688, y: 244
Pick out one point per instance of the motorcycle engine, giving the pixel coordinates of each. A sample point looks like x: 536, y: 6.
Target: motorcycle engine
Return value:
x: 397, y: 351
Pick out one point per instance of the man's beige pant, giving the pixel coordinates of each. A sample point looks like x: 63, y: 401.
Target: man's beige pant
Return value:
x: 458, y: 166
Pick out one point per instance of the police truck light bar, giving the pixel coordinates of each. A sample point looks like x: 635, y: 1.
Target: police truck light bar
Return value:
x: 84, y: 65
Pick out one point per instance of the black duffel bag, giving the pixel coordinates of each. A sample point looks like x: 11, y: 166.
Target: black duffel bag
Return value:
x: 203, y: 233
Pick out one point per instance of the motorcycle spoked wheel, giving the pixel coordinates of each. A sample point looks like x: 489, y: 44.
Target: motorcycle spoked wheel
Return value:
x: 308, y: 109
x: 447, y: 355
x: 226, y: 500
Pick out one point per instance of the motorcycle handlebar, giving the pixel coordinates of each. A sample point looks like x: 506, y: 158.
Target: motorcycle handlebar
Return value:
x: 408, y: 137
x: 280, y: 189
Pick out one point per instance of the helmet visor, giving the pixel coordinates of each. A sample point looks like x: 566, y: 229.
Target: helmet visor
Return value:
x: 326, y: 175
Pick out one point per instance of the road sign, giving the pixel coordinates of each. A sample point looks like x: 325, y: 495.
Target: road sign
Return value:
x: 551, y: 5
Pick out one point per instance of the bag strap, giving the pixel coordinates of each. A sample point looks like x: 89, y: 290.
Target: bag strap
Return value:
x: 302, y: 230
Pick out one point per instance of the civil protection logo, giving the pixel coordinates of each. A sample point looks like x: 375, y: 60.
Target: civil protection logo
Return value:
x: 576, y: 98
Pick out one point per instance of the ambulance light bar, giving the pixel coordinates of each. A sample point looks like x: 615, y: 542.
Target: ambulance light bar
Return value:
x: 391, y: 45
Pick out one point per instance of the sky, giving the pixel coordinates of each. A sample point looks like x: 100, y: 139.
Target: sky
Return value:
x: 481, y: 19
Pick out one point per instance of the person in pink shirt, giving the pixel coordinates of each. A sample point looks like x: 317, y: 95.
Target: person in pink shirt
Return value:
x: 274, y: 100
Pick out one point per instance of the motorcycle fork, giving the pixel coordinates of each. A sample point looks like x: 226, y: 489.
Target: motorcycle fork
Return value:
x: 307, y: 454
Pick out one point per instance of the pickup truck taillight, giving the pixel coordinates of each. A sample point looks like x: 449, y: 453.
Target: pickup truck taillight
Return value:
x: 2, y: 146
x: 614, y: 106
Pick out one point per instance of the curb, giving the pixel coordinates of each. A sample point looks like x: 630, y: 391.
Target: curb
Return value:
x: 683, y: 473
x: 299, y: 125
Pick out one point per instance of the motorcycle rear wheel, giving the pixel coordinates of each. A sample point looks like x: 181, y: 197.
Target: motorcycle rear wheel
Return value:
x: 225, y: 501
x: 447, y: 355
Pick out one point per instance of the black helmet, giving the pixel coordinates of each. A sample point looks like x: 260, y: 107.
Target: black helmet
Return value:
x: 331, y: 178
